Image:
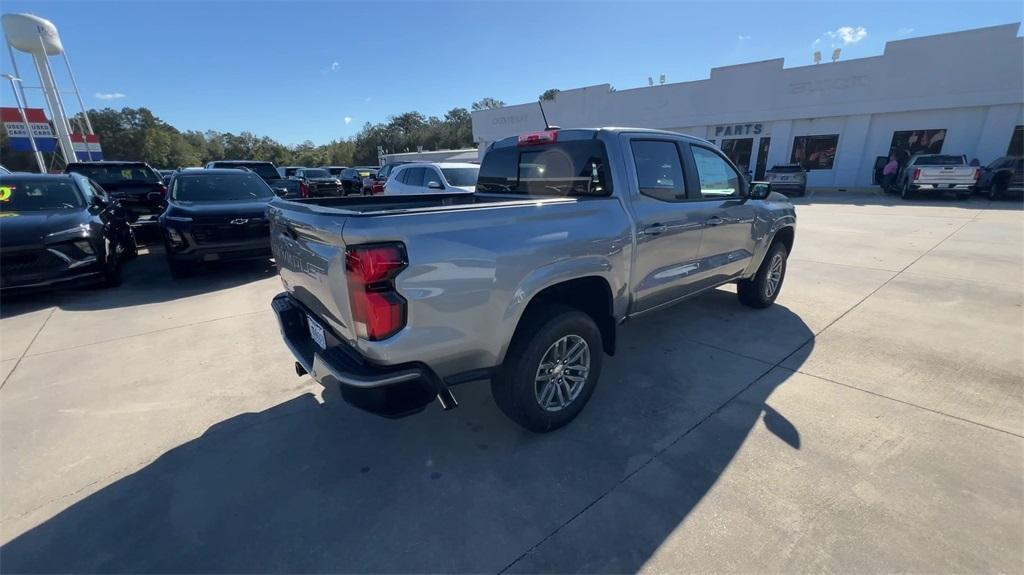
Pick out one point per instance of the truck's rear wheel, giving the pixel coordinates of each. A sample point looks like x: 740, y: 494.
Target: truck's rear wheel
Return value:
x: 550, y: 369
x: 764, y: 287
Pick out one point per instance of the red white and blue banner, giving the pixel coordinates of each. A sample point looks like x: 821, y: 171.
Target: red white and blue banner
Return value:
x: 87, y: 147
x: 18, y: 132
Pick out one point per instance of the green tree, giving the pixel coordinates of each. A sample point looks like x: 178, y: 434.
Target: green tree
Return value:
x: 549, y: 94
x: 487, y: 104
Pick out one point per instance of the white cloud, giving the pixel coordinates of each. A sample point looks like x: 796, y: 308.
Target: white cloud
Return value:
x: 109, y: 95
x: 816, y: 42
x: 348, y: 119
x: 905, y: 31
x: 335, y: 66
x: 848, y: 34
x: 742, y: 37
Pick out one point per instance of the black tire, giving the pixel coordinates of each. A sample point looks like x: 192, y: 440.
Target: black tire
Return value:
x: 759, y: 292
x: 515, y: 387
x: 131, y: 245
x: 111, y: 267
x: 905, y: 192
x: 998, y: 187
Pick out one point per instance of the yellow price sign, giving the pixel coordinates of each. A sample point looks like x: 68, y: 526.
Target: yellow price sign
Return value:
x: 5, y: 193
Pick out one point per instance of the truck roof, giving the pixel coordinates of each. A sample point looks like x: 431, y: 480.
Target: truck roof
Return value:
x: 588, y: 133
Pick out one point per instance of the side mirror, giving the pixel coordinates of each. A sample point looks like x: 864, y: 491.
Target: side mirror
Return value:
x: 99, y: 201
x: 435, y: 185
x: 759, y: 190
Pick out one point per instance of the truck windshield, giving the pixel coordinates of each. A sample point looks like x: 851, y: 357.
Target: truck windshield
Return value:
x: 220, y: 188
x: 23, y: 195
x: 940, y: 161
x: 115, y: 173
x: 573, y: 168
x: 316, y: 173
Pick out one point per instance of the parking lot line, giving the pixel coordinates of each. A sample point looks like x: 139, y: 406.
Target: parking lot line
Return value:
x: 33, y: 340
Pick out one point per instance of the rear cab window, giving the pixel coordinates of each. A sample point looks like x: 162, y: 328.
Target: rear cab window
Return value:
x: 575, y: 164
x: 941, y: 161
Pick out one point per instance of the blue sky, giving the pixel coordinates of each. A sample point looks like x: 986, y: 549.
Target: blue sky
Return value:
x: 319, y: 70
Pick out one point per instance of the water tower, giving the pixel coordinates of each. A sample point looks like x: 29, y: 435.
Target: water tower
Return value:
x: 39, y: 38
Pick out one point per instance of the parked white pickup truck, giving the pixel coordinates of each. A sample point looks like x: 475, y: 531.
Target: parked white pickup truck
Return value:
x: 938, y: 173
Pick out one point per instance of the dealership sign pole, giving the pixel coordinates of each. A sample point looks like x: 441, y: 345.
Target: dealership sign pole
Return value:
x: 24, y: 122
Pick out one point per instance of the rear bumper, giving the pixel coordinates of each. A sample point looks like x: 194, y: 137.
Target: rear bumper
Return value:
x: 390, y: 391
x: 940, y: 187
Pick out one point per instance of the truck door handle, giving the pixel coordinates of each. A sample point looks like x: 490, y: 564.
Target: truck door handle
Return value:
x: 714, y: 221
x: 654, y: 230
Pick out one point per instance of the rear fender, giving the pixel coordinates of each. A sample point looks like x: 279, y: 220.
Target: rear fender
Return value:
x: 559, y: 272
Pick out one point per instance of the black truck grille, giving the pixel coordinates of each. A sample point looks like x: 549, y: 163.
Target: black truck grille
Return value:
x: 29, y: 262
x: 218, y: 233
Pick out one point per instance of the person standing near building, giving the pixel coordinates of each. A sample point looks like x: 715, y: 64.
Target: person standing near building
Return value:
x: 889, y: 173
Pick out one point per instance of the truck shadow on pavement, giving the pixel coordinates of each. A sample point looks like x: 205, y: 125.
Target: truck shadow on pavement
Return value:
x: 311, y: 486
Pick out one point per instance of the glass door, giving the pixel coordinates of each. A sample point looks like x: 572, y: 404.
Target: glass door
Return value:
x: 762, y: 158
x: 738, y: 150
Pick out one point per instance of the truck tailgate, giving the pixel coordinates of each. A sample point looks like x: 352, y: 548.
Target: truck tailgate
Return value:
x: 310, y: 256
x: 946, y: 175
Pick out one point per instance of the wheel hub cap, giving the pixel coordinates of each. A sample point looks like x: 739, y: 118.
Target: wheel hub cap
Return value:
x: 562, y: 373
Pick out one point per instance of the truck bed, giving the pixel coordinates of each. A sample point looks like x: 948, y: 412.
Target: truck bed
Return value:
x: 356, y: 206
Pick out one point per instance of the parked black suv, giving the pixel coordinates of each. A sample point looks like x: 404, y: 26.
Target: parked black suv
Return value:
x: 1002, y: 177
x: 215, y: 215
x: 317, y: 183
x: 58, y: 230
x: 137, y: 187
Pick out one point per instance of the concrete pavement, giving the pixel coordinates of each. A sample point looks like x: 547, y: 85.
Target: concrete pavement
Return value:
x: 871, y: 421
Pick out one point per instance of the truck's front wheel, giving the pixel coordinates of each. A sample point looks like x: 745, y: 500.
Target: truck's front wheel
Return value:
x: 550, y: 369
x: 761, y: 290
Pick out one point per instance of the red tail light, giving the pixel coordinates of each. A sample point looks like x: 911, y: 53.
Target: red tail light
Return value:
x: 303, y: 190
x: 977, y: 174
x: 163, y: 190
x: 535, y: 138
x: 917, y: 173
x: 378, y: 311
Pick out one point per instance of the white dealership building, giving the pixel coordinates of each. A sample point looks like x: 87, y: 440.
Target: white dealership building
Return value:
x: 956, y: 93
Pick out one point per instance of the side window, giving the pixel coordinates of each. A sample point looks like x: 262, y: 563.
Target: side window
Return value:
x: 717, y: 178
x: 414, y: 177
x: 659, y: 171
x: 431, y: 175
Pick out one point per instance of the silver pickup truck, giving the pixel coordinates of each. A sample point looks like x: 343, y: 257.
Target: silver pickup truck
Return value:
x: 570, y: 233
x: 937, y: 174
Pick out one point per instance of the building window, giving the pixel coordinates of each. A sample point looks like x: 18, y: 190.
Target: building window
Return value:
x: 911, y: 142
x: 1016, y: 147
x: 815, y: 152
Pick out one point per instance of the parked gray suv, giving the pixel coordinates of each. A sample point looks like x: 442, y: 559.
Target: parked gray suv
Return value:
x: 570, y: 233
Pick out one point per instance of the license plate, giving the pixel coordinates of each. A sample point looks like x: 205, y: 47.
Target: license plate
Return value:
x: 316, y: 331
